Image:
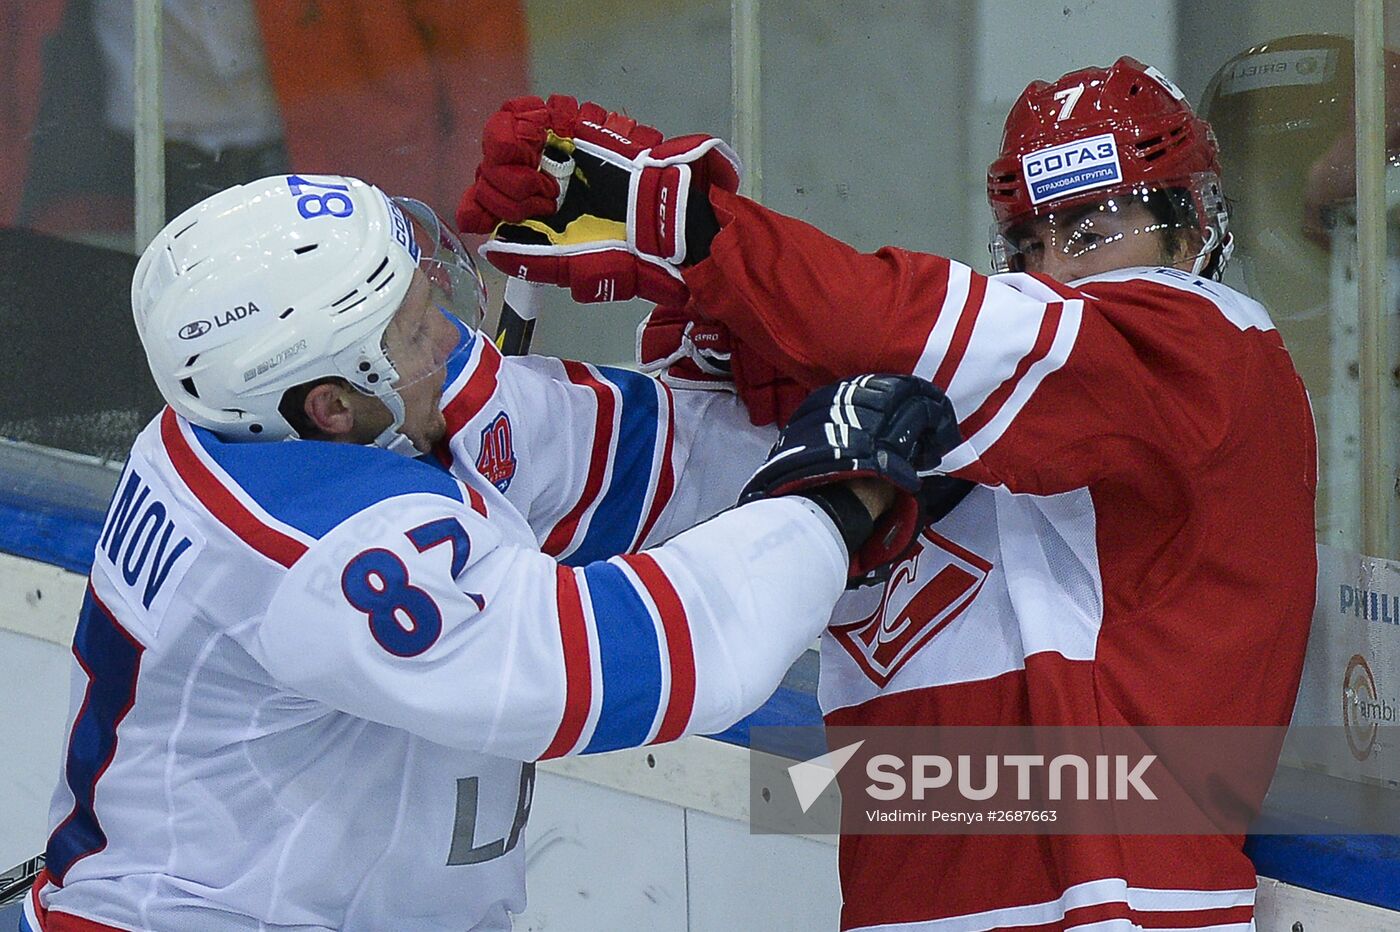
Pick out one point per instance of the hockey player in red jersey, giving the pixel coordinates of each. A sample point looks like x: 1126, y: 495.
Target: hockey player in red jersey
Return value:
x: 1139, y: 544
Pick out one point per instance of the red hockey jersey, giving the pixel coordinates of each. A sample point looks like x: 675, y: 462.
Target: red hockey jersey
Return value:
x: 1140, y: 549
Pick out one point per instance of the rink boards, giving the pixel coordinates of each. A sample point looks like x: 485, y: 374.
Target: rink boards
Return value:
x: 656, y: 838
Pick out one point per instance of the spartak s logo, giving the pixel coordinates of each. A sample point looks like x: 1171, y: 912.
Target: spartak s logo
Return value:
x: 924, y: 595
x: 496, y: 461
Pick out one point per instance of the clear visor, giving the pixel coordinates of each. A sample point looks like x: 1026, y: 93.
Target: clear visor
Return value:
x: 420, y: 343
x: 457, y: 284
x: 1141, y: 227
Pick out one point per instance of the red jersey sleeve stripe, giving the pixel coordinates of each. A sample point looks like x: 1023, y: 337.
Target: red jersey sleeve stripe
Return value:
x: 220, y: 502
x: 666, y: 481
x: 1049, y: 325
x: 957, y: 279
x: 962, y: 334
x: 472, y: 397
x: 563, y: 533
x: 679, y: 648
x: 474, y: 499
x: 578, y: 666
x: 1059, y: 288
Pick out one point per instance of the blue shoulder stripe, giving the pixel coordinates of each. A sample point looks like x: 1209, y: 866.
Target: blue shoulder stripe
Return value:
x: 630, y: 656
x: 466, y: 341
x: 615, y: 521
x: 313, y: 485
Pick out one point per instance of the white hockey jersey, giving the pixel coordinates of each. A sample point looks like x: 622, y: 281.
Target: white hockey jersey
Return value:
x: 307, y: 674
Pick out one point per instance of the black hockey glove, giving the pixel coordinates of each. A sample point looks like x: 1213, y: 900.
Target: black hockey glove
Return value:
x: 890, y: 427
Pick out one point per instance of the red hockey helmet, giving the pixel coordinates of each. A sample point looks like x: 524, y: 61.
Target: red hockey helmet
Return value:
x: 1101, y: 134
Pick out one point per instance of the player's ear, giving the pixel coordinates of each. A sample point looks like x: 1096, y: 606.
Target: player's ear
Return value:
x: 1181, y: 250
x: 1176, y: 248
x: 330, y: 410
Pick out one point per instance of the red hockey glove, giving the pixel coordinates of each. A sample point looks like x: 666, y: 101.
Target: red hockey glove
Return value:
x: 509, y: 184
x: 686, y: 351
x: 623, y: 225
x: 690, y: 351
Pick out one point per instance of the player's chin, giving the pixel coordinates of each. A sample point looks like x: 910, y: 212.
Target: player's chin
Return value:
x: 432, y: 434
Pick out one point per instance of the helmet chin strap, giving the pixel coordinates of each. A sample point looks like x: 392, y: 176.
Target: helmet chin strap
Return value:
x: 395, y: 442
x: 390, y: 439
x: 1214, y: 255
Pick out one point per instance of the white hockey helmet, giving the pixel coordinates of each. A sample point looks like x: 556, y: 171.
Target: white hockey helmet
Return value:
x: 283, y: 281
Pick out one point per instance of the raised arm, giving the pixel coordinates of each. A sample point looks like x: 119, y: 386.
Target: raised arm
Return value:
x: 1130, y: 377
x: 445, y: 630
x: 421, y: 614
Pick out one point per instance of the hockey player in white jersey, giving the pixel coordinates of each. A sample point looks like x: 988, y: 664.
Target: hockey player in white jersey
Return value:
x: 311, y: 674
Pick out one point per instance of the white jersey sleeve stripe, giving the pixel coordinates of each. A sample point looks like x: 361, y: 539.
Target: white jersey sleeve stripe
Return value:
x: 664, y: 485
x: 1195, y: 905
x: 982, y: 428
x: 990, y: 345
x: 1042, y: 288
x: 595, y: 666
x: 955, y: 305
x: 962, y: 334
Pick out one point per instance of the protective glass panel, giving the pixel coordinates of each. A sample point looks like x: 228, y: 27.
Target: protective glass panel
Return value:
x: 75, y: 376
x: 1282, y: 109
x: 1390, y: 376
